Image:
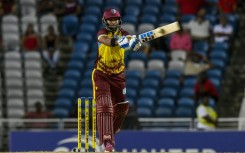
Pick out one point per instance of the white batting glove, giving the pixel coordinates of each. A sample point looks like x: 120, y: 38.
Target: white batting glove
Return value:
x: 134, y: 43
x: 124, y: 43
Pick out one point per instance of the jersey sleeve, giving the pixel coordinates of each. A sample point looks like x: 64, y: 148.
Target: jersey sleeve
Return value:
x: 101, y: 32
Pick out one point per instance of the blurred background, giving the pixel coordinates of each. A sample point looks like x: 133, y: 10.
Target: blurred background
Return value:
x: 48, y: 49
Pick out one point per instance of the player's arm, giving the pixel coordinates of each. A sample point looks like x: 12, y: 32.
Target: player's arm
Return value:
x: 104, y: 39
x: 122, y: 42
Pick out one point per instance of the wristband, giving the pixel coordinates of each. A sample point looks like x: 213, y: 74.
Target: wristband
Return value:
x: 113, y: 42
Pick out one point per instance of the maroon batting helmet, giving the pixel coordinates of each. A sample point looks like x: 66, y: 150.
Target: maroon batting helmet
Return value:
x: 111, y: 13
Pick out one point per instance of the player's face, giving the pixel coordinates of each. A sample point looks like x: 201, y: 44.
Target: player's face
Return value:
x: 113, y: 21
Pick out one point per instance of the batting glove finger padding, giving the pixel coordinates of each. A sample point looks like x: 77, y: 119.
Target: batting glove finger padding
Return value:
x: 124, y: 43
x: 134, y: 43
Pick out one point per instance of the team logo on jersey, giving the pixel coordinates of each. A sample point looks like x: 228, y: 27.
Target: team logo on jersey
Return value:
x: 113, y: 11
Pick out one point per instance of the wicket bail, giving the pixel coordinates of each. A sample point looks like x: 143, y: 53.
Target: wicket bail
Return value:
x: 80, y: 102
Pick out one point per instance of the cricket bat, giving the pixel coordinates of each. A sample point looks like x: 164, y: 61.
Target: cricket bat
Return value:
x: 159, y: 32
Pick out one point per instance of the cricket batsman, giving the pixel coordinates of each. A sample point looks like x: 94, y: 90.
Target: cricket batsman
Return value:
x: 109, y: 89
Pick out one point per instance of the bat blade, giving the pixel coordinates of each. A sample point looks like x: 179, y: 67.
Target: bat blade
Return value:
x: 159, y: 32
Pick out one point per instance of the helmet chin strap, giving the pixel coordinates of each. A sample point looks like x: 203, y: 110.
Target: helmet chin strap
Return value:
x: 113, y: 28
